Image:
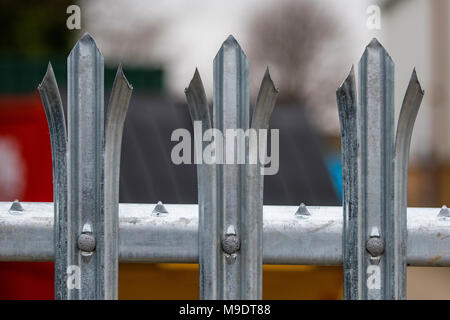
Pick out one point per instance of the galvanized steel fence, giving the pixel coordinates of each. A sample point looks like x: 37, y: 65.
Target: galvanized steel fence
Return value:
x: 229, y: 233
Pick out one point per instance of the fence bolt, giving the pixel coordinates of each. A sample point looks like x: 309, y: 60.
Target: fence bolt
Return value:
x: 16, y: 208
x: 375, y: 246
x: 86, y: 243
x: 302, y: 211
x: 231, y: 244
x: 159, y: 210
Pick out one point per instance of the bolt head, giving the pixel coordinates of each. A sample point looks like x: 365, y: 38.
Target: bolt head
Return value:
x: 86, y: 242
x: 231, y: 244
x: 375, y: 246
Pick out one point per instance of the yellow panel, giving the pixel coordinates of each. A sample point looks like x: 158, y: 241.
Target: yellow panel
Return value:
x: 180, y: 281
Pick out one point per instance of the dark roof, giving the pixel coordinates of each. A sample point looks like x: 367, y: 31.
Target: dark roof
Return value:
x: 148, y: 174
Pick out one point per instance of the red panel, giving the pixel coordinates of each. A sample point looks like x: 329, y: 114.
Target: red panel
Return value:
x: 25, y: 174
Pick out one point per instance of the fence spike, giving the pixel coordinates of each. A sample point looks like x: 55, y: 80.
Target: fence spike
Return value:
x: 16, y: 207
x: 408, y: 113
x: 159, y: 210
x: 252, y: 216
x: 86, y: 166
x: 367, y: 131
x: 115, y: 119
x: 265, y: 103
x: 376, y: 171
x: 231, y: 111
x: 208, y: 236
x: 53, y: 107
x: 302, y: 211
x: 444, y: 212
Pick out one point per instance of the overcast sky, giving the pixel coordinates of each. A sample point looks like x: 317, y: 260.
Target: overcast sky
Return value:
x: 182, y: 35
x: 192, y: 31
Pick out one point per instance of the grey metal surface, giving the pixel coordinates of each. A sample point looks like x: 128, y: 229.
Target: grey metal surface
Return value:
x: 51, y: 100
x: 231, y: 111
x: 115, y: 118
x: 86, y: 166
x: 410, y: 108
x: 251, y: 218
x: 376, y: 138
x: 288, y: 238
x: 209, y: 236
x: 347, y: 106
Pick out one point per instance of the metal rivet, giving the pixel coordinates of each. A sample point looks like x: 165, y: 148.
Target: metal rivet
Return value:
x: 375, y: 246
x: 160, y: 210
x: 86, y: 242
x: 231, y: 244
x: 302, y: 211
x: 16, y: 208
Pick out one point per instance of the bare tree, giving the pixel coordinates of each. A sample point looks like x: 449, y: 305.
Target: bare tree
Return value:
x: 293, y: 38
x: 125, y: 33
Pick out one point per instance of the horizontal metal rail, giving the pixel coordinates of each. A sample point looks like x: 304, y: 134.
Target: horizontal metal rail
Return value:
x: 289, y: 238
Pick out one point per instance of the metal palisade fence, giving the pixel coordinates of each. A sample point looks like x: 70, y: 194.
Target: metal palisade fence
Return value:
x: 230, y: 233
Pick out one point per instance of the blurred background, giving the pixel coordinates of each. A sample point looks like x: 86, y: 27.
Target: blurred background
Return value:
x: 309, y: 47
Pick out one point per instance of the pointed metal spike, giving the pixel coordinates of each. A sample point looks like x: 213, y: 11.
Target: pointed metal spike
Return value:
x: 87, y: 38
x: 347, y: 104
x: 197, y: 101
x: 265, y: 102
x: 375, y: 197
x: 120, y: 97
x: 199, y: 111
x: 86, y: 169
x: 159, y: 210
x: 231, y: 111
x: 16, y: 208
x: 231, y: 44
x: 375, y: 45
x: 48, y: 77
x: 302, y: 211
x: 85, y: 47
x: 348, y: 82
x: 444, y: 212
x: 115, y: 118
x: 405, y: 125
x: 347, y: 109
x: 231, y: 39
x: 53, y: 107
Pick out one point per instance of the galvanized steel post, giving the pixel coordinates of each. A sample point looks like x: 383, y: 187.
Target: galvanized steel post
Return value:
x: 86, y: 238
x: 374, y: 200
x: 231, y: 111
